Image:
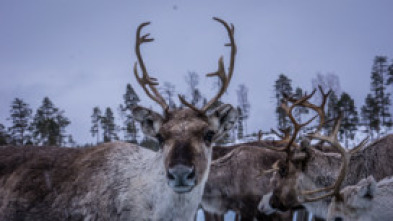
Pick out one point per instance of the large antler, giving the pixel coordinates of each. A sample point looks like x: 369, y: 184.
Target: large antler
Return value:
x: 319, y: 109
x: 287, y: 138
x: 148, y: 83
x: 296, y: 125
x: 285, y: 135
x: 220, y: 73
x: 346, y: 155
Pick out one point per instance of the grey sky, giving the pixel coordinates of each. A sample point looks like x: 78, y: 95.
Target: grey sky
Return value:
x: 80, y: 53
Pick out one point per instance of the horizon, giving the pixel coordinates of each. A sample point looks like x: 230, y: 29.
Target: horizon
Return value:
x: 82, y: 56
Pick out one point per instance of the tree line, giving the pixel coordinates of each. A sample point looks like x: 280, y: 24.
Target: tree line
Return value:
x: 48, y: 125
x: 104, y: 127
x: 374, y: 118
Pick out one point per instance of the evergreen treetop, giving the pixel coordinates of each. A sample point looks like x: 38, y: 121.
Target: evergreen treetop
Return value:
x: 20, y: 117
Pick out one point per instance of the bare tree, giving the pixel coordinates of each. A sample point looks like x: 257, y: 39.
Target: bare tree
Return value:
x: 192, y: 80
x: 329, y: 81
x: 168, y: 92
x: 244, y: 104
x: 96, y: 123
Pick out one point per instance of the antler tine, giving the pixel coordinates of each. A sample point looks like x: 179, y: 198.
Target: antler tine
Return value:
x: 333, y: 140
x: 285, y: 136
x: 183, y: 100
x: 346, y: 155
x: 296, y: 125
x: 220, y: 73
x: 319, y: 109
x: 274, y: 168
x: 225, y: 79
x: 148, y: 83
x: 359, y: 146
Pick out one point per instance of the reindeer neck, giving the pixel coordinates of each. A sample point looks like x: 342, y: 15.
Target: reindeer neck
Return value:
x: 321, y: 171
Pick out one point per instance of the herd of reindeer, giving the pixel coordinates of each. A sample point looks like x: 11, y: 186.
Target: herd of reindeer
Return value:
x: 261, y: 180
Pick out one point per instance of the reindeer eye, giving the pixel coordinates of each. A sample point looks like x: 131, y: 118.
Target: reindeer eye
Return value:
x: 282, y: 171
x: 160, y: 139
x: 208, y: 137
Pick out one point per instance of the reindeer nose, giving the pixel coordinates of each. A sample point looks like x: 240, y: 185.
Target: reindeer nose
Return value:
x: 181, y: 178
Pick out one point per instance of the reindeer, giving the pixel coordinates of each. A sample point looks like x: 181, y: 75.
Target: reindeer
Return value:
x: 365, y: 201
x: 238, y: 180
x: 307, y: 168
x: 121, y: 181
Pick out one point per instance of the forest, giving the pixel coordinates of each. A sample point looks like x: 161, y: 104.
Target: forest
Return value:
x: 48, y: 124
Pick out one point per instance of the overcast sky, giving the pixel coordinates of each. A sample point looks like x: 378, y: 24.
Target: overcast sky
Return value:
x: 80, y: 53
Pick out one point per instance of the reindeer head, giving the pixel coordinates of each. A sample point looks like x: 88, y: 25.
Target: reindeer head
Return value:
x: 356, y: 203
x: 185, y: 135
x: 284, y: 180
x: 290, y: 176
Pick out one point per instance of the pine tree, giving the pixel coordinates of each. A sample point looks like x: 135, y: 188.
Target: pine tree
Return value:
x: 129, y: 128
x: 282, y: 86
x: 390, y: 74
x: 379, y: 78
x: 131, y: 131
x: 349, y: 117
x: 70, y: 141
x: 299, y: 111
x: 333, y: 110
x: 168, y: 92
x: 20, y: 116
x: 131, y: 99
x: 108, y: 125
x: 96, y: 123
x: 192, y: 80
x: 370, y: 115
x: 49, y: 124
x: 240, y: 129
x: 4, y: 137
x: 196, y: 97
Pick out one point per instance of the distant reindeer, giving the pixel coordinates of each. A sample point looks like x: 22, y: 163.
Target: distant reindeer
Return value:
x: 121, y: 181
x: 237, y: 181
x: 365, y: 201
x: 306, y: 168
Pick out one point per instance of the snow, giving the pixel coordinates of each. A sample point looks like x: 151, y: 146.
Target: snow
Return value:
x: 229, y: 216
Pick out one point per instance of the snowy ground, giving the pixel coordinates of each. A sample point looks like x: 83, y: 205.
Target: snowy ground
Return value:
x: 230, y: 216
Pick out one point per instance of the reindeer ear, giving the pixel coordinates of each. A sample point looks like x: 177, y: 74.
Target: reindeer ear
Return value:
x: 222, y: 119
x: 150, y: 121
x: 367, y: 191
